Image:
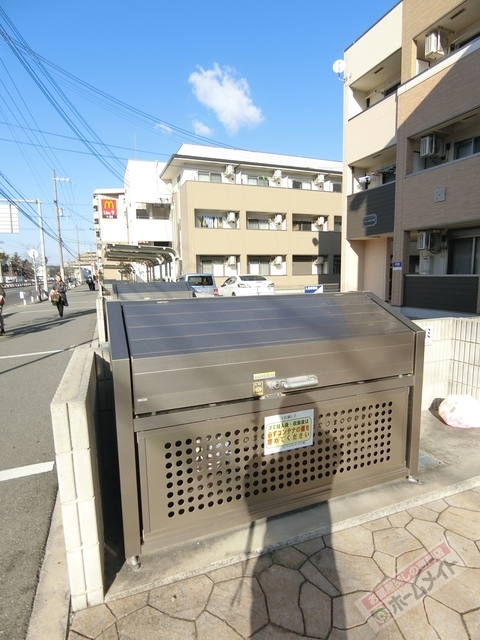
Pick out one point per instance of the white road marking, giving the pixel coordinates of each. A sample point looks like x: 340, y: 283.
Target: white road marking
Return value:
x: 29, y: 470
x: 37, y: 353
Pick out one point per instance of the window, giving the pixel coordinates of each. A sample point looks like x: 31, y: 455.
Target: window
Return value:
x: 302, y: 265
x: 215, y: 265
x: 205, y: 176
x: 302, y: 225
x: 260, y: 181
x: 262, y: 220
x: 160, y: 212
x: 301, y: 184
x: 214, y: 219
x: 467, y: 147
x: 257, y: 225
x: 337, y: 223
x: 303, y: 222
x: 464, y: 256
x: 336, y: 265
x: 142, y: 214
x: 259, y: 265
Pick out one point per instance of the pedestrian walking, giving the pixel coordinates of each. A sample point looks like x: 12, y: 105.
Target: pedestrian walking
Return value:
x: 60, y: 290
x: 2, y: 302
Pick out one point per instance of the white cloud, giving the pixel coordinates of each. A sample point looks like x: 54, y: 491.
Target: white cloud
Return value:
x: 164, y: 128
x: 228, y: 96
x: 201, y: 129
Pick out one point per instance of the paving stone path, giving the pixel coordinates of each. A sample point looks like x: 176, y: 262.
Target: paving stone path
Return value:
x: 313, y: 589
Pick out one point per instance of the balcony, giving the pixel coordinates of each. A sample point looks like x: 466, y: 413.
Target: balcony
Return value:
x: 371, y: 213
x: 372, y: 130
x: 457, y: 293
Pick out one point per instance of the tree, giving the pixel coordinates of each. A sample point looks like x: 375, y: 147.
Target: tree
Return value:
x: 4, y: 258
x: 27, y: 269
x: 15, y: 264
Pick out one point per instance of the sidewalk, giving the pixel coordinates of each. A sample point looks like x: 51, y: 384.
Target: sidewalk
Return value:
x: 305, y: 574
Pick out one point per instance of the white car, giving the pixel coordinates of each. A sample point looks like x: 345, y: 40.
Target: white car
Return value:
x: 248, y: 285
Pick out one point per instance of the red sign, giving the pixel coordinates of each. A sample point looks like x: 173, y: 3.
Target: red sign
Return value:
x: 109, y: 208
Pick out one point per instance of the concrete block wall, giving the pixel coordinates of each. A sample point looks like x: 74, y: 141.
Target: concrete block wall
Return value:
x: 452, y: 358
x: 75, y: 412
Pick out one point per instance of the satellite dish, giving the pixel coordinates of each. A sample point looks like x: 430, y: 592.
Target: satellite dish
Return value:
x: 339, y: 66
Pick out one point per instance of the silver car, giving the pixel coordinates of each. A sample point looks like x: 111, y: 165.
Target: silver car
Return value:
x: 203, y: 284
x: 247, y: 285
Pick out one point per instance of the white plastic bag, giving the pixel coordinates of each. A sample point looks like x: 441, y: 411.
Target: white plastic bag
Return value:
x: 460, y: 411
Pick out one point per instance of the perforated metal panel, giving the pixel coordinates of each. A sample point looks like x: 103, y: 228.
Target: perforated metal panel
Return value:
x: 214, y: 475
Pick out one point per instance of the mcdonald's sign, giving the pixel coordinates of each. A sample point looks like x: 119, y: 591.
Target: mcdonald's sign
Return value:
x: 109, y: 208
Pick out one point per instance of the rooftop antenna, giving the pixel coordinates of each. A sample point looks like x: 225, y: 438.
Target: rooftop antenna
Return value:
x: 339, y: 67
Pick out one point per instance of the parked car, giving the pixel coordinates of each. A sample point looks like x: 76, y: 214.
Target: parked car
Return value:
x: 203, y: 284
x: 247, y: 285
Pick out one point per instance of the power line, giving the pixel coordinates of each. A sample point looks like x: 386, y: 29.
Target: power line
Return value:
x: 59, y: 135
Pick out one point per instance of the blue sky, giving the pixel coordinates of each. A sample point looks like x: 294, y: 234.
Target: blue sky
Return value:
x: 144, y: 78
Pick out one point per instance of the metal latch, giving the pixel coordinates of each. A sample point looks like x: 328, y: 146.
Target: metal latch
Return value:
x: 298, y: 382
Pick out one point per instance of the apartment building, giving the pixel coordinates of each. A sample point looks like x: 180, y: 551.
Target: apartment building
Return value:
x: 132, y: 221
x: 411, y: 159
x: 228, y: 211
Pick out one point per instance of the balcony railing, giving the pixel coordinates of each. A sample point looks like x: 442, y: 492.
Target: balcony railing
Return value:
x: 458, y: 293
x: 371, y: 212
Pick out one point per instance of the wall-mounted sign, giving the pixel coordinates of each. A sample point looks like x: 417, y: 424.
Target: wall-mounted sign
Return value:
x: 313, y: 288
x: 288, y: 431
x: 397, y: 266
x: 109, y: 208
x: 369, y: 221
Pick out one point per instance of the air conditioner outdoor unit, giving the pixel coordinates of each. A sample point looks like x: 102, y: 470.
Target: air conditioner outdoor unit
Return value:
x: 319, y: 180
x: 278, y: 261
x: 232, y: 261
x: 422, y: 242
x: 436, y: 44
x: 428, y: 241
x: 277, y: 175
x: 432, y: 146
x: 229, y: 172
x: 319, y: 222
x: 231, y: 217
x: 278, y: 219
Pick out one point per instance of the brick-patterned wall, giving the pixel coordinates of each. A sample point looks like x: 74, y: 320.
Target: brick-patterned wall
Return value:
x: 462, y: 196
x: 443, y: 95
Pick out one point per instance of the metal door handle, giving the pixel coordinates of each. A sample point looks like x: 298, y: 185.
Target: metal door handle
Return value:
x: 298, y: 382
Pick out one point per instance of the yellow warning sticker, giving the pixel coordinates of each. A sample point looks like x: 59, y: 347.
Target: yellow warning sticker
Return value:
x: 264, y: 376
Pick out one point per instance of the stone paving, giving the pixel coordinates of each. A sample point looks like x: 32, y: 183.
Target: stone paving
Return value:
x: 312, y: 589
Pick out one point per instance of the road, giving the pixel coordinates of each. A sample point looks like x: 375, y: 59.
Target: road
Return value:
x: 33, y: 356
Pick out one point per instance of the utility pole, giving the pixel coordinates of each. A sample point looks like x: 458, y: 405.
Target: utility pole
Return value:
x: 60, y: 252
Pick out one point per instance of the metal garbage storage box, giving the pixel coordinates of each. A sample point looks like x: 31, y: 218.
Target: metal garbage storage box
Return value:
x: 148, y: 290
x: 233, y: 409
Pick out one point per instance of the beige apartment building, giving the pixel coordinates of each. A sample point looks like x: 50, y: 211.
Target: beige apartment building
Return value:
x: 412, y: 159
x: 228, y: 211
